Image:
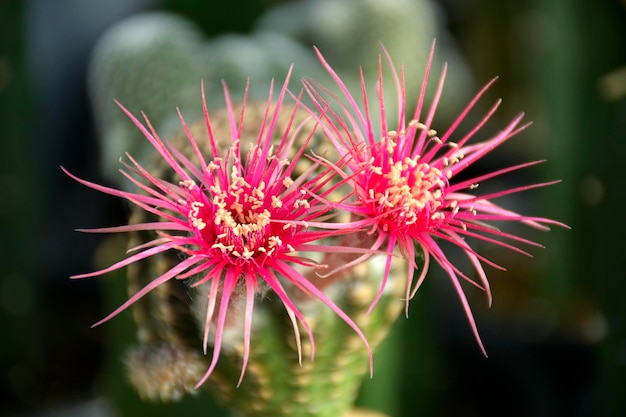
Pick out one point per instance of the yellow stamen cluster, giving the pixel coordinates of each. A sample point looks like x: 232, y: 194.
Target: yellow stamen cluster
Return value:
x: 240, y: 218
x: 240, y: 214
x: 406, y: 191
x: 194, y: 215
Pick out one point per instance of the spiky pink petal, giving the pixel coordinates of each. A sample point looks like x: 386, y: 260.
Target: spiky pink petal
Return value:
x: 403, y: 177
x: 240, y: 219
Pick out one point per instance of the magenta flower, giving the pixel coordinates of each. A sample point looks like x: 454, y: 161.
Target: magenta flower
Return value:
x: 241, y: 222
x: 403, y: 175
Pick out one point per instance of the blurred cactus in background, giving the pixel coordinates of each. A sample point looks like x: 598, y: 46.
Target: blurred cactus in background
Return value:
x: 154, y: 61
x: 150, y: 63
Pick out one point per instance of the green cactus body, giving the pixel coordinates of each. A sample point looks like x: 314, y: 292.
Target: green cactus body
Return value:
x: 169, y: 361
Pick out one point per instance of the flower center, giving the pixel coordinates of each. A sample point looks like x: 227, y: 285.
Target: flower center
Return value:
x: 242, y: 219
x: 237, y: 220
x: 405, y: 192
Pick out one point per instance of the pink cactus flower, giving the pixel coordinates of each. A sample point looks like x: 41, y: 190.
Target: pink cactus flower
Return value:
x: 404, y: 177
x: 240, y: 220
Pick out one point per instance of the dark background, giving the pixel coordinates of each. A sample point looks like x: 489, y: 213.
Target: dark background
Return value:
x: 557, y: 331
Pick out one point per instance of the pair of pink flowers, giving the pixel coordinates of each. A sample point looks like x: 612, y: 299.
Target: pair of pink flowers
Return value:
x: 243, y: 220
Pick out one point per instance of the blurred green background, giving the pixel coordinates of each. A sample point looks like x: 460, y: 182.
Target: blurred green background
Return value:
x: 556, y: 334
